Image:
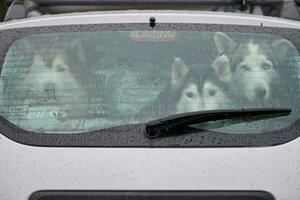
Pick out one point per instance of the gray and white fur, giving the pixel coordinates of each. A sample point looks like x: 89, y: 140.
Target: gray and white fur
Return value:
x: 253, y: 71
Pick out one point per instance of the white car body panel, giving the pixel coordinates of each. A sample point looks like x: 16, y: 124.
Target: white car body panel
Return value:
x: 25, y: 169
x: 107, y: 17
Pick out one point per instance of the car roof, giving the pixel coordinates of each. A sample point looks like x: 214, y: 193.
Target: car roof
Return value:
x: 142, y: 16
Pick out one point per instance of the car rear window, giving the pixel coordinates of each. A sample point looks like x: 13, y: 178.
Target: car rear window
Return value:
x: 76, y: 82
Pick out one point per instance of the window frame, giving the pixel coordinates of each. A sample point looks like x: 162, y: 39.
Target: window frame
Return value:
x: 133, y: 135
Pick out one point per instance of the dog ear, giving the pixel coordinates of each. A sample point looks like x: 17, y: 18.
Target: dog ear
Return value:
x: 225, y: 45
x: 281, y: 48
x: 222, y: 69
x: 179, y: 72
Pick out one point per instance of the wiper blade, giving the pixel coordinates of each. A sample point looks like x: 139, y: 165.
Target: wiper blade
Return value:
x: 160, y: 126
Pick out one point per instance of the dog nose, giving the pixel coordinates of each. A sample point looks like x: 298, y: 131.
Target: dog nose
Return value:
x: 260, y: 92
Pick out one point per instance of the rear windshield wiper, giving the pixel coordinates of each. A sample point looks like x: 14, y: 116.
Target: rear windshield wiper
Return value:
x: 160, y: 126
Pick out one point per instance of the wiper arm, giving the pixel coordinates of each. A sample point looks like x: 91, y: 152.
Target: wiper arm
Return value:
x: 160, y: 126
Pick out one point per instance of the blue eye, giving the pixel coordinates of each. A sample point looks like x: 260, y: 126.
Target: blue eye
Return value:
x: 266, y: 66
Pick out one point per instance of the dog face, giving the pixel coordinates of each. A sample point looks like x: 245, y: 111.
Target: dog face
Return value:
x: 256, y: 71
x: 253, y: 67
x: 50, y: 80
x: 198, y: 89
x: 209, y: 96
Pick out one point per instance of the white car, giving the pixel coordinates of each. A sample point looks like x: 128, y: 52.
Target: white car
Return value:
x: 150, y: 105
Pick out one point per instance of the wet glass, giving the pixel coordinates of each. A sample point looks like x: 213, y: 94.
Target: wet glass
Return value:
x: 80, y: 82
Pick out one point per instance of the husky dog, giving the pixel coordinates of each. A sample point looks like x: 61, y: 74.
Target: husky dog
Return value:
x: 191, y: 89
x: 253, y: 70
x: 53, y: 81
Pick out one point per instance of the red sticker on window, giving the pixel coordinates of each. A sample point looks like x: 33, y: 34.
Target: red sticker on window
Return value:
x: 152, y: 35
